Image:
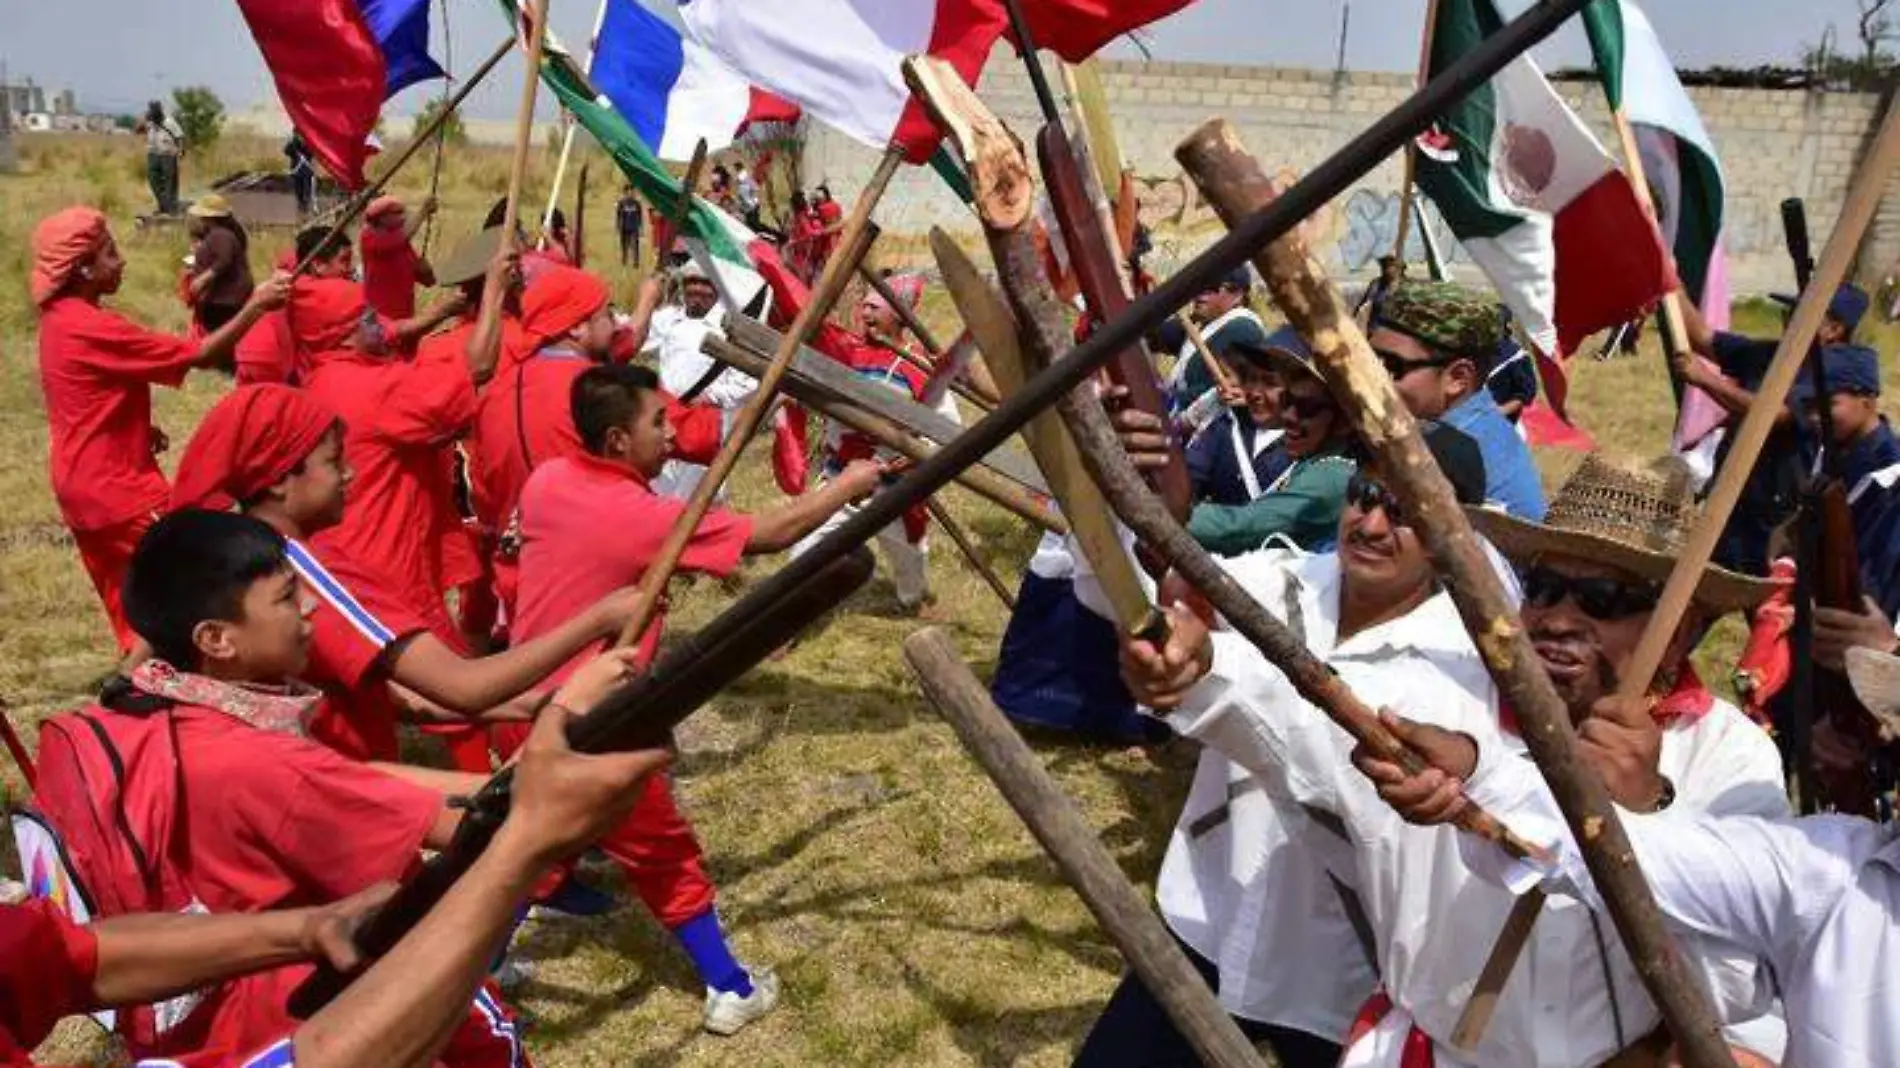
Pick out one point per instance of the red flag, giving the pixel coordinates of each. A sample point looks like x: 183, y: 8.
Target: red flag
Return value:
x: 1077, y: 29
x: 330, y: 76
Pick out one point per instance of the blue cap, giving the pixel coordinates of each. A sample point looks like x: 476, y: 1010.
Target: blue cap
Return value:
x: 1850, y: 369
x: 1283, y: 349
x: 1240, y: 278
x: 1848, y: 307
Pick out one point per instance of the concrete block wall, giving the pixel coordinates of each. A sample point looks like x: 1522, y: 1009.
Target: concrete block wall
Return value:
x: 1773, y: 145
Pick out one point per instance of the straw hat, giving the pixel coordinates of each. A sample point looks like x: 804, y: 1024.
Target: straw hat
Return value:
x: 210, y: 206
x: 1876, y: 681
x: 1635, y: 521
x: 470, y: 259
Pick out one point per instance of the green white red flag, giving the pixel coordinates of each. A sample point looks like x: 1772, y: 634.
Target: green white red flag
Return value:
x: 1536, y: 201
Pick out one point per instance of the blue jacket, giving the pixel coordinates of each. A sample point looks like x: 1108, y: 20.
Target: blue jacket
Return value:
x: 1871, y: 473
x: 1510, y: 476
x: 1214, y: 459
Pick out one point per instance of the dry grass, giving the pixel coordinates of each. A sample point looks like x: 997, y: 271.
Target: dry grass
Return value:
x: 855, y: 846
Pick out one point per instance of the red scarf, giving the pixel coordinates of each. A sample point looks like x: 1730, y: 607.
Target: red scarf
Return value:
x: 1685, y: 704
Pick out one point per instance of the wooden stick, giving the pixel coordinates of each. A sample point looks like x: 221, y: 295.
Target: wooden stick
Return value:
x: 1223, y: 376
x: 524, y: 120
x: 976, y: 478
x: 567, y: 138
x: 830, y: 287
x: 359, y: 203
x: 1411, y: 149
x: 15, y: 748
x: 1235, y: 185
x: 1078, y: 853
x: 967, y: 546
x: 974, y: 390
x: 1675, y: 334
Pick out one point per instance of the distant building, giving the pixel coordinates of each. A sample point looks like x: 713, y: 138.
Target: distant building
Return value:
x: 24, y: 98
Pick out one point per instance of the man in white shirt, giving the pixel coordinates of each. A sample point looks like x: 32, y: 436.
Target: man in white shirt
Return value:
x: 1817, y: 898
x: 1256, y: 885
x: 672, y: 336
x: 1576, y: 1000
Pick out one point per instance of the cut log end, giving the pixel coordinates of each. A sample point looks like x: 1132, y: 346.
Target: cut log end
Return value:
x: 999, y: 168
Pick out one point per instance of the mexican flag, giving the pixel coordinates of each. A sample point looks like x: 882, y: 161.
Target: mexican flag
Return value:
x: 1685, y: 177
x: 721, y: 243
x: 1536, y: 201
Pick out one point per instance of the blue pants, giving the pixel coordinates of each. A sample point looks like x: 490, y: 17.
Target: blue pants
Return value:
x: 1134, y: 1031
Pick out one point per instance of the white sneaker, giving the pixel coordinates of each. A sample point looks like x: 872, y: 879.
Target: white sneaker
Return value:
x: 728, y: 1013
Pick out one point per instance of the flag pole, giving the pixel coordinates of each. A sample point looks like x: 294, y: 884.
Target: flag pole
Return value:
x: 360, y: 202
x: 838, y: 272
x: 1411, y: 149
x: 567, y: 140
x: 1675, y: 334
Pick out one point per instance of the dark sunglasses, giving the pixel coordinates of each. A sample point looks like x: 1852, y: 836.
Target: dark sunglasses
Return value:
x: 1307, y: 407
x: 1599, y: 598
x: 1398, y: 366
x: 1364, y: 493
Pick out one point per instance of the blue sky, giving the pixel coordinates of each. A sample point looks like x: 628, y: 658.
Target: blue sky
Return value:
x: 116, y: 53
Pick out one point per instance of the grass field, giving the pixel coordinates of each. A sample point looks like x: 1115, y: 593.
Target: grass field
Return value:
x: 912, y: 918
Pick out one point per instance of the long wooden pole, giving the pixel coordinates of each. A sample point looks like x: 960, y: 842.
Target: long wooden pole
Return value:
x: 1235, y: 185
x: 967, y: 546
x: 831, y: 284
x: 360, y: 202
x: 1077, y: 851
x: 979, y: 392
x: 1411, y: 149
x: 1675, y: 334
x: 524, y: 120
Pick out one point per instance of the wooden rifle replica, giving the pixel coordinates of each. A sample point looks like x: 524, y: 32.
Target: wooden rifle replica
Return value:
x: 826, y: 560
x: 638, y: 715
x: 1827, y: 575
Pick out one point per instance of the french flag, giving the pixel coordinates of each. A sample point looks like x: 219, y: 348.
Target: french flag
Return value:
x: 670, y: 88
x: 335, y: 62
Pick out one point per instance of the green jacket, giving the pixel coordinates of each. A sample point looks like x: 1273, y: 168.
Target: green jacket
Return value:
x: 1303, y: 506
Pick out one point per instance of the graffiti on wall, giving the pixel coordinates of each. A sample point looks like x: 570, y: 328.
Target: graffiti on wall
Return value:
x: 1355, y: 234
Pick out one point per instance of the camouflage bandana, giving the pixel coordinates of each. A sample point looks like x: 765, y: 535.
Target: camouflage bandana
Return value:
x: 1456, y: 320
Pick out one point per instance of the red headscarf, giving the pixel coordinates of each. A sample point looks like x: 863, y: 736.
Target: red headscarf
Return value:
x: 908, y: 288
x: 61, y: 242
x: 561, y: 299
x: 247, y: 443
x: 380, y: 207
x: 325, y: 312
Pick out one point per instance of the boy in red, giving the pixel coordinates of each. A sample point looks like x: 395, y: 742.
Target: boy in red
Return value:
x: 279, y: 454
x: 263, y: 817
x: 391, y: 266
x: 97, y: 370
x: 591, y: 523
x: 523, y: 418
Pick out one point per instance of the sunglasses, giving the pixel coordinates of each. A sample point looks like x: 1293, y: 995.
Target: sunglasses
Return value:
x: 1398, y: 366
x: 1603, y: 599
x: 1307, y: 407
x: 1364, y: 493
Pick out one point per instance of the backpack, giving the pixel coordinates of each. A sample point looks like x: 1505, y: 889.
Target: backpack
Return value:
x: 107, y: 789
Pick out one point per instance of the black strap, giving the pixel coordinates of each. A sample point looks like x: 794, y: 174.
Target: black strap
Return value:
x: 521, y: 413
x: 146, y: 871
x: 705, y: 382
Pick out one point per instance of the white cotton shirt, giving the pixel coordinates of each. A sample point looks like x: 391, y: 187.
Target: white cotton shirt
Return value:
x: 674, y: 339
x: 1433, y: 920
x: 1818, y: 899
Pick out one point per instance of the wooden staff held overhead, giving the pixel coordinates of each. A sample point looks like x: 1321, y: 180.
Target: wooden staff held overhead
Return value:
x: 825, y: 295
x: 1411, y: 150
x: 1235, y: 185
x: 537, y: 23
x: 996, y: 161
x: 1078, y: 853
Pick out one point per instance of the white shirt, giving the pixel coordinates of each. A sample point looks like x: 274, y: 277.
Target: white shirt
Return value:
x: 1818, y: 899
x: 675, y: 339
x: 1432, y: 920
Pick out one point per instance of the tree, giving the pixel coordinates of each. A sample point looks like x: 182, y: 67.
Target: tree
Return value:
x: 1876, y: 26
x: 200, y: 115
x: 453, y: 131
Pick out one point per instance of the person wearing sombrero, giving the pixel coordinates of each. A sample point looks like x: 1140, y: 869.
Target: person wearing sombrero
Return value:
x: 1590, y: 575
x: 1816, y: 899
x: 1730, y: 371
x: 1238, y: 455
x: 218, y: 281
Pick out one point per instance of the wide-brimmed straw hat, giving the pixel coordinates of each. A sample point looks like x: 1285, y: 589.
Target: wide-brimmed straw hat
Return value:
x: 1875, y: 677
x: 1634, y: 521
x: 210, y: 206
x: 470, y: 259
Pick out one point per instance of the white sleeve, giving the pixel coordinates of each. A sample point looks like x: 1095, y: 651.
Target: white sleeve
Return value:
x: 1764, y: 885
x: 730, y: 390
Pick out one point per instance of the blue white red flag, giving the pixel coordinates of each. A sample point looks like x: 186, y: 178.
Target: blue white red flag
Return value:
x: 335, y: 62
x: 670, y: 88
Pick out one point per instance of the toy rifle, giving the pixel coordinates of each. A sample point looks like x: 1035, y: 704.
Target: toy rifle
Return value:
x: 638, y: 715
x: 1098, y: 273
x: 1827, y: 575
